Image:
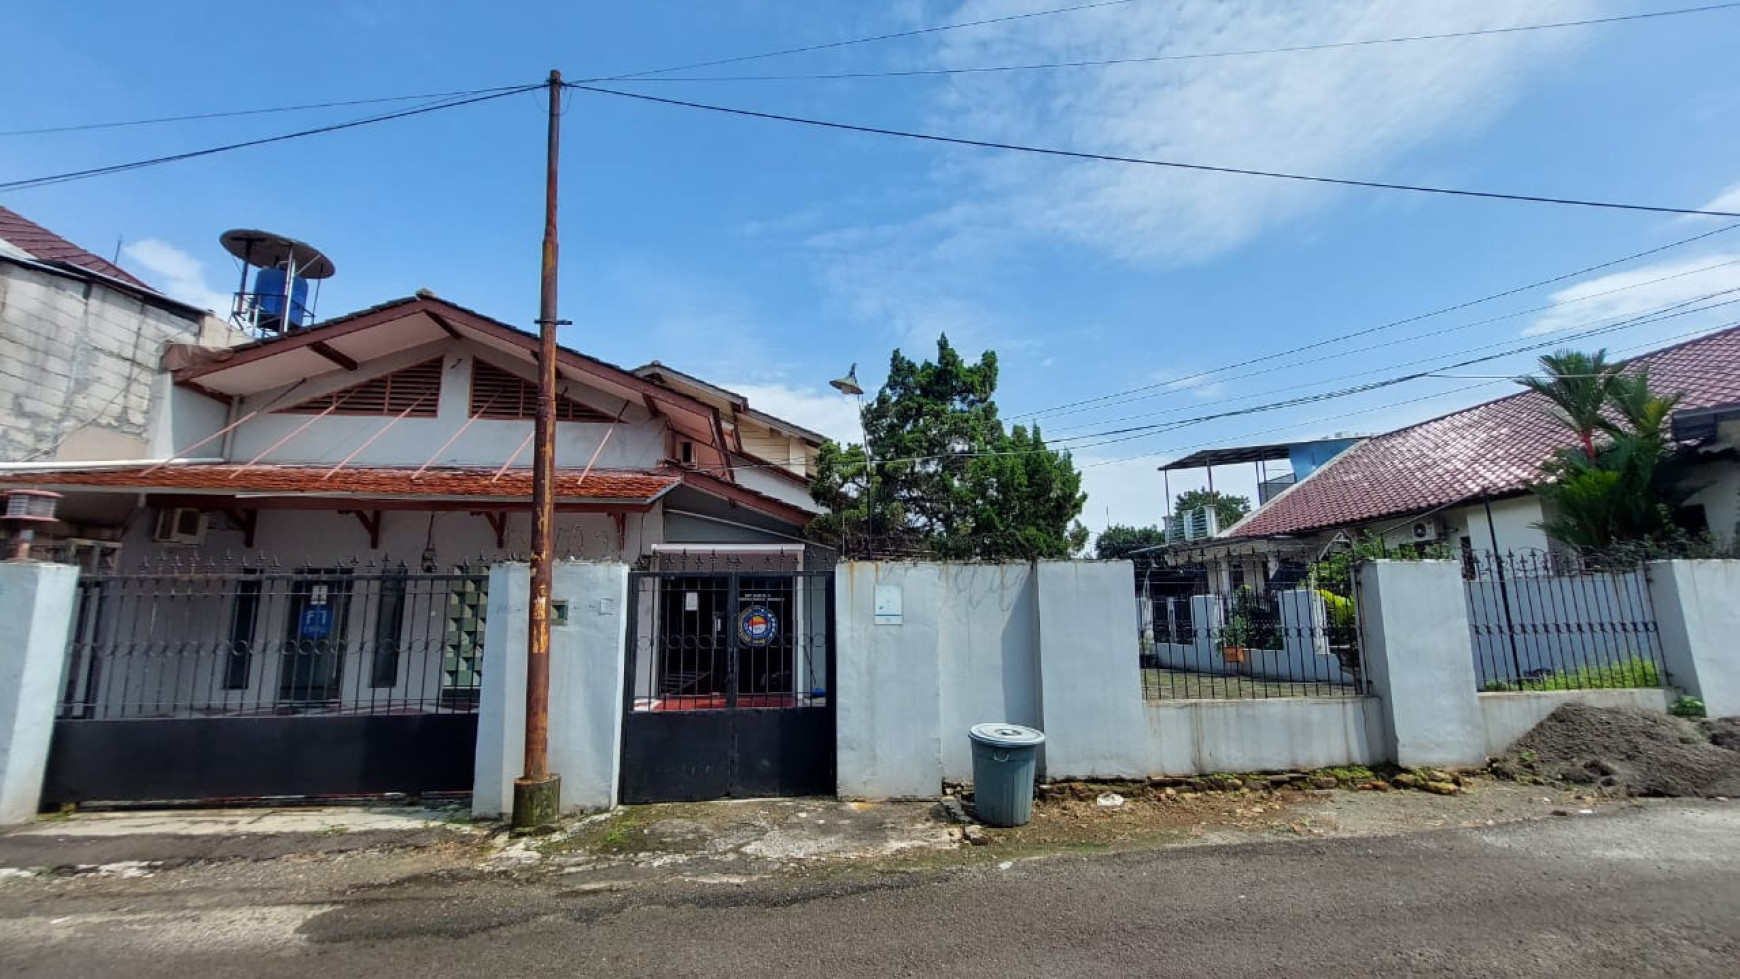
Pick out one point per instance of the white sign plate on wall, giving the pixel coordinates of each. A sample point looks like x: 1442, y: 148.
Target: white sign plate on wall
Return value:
x: 888, y: 600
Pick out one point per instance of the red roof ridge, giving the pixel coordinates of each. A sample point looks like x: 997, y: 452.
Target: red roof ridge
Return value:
x: 46, y: 246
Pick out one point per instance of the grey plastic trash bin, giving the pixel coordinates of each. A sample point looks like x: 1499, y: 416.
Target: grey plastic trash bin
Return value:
x: 1005, y: 759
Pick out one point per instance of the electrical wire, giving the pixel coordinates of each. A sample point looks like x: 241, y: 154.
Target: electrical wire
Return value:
x: 233, y: 113
x: 50, y: 179
x: 1169, y: 164
x: 916, y: 32
x: 1671, y: 311
x: 1634, y: 256
x: 1197, y: 56
x: 1173, y: 389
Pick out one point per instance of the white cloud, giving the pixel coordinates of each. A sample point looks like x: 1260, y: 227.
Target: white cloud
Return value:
x: 1727, y: 200
x: 1345, y: 112
x: 821, y: 410
x: 175, y: 272
x: 1636, y: 291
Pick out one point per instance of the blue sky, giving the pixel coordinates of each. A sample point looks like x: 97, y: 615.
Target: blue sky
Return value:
x: 767, y: 257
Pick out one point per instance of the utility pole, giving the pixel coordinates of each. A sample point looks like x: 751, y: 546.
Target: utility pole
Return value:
x: 538, y: 793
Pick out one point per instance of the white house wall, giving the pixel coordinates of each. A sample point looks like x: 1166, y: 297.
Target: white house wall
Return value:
x: 1719, y: 495
x: 636, y: 443
x: 79, y: 366
x: 1513, y: 523
x: 779, y: 487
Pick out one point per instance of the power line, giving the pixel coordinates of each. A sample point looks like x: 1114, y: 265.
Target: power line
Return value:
x: 1170, y: 164
x: 1058, y: 409
x: 49, y: 179
x: 1172, y: 385
x: 232, y: 113
x: 1197, y: 56
x: 916, y: 32
x: 1670, y: 311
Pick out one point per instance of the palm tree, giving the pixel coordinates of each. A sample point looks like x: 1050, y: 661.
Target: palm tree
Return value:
x: 1579, y: 385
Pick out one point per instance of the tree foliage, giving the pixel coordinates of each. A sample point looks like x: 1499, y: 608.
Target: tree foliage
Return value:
x: 1625, y: 489
x: 1228, y: 509
x: 1118, y: 541
x: 943, y: 477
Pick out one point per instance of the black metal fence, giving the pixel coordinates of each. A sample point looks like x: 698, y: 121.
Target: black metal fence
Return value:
x: 1287, y: 640
x: 1544, y: 622
x: 191, y: 641
x: 737, y: 632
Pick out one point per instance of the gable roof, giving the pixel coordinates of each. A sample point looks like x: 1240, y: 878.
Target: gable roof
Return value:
x: 1491, y: 449
x: 46, y: 246
x: 344, y: 343
x: 681, y: 380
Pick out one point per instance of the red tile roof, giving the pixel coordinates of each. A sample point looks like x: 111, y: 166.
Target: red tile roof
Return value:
x: 47, y: 246
x: 626, y: 486
x: 1490, y: 449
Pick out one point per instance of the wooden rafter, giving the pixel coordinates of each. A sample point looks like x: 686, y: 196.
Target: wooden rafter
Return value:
x: 324, y: 349
x: 371, y: 521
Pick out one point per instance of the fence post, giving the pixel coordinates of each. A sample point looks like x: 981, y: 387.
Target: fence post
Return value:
x: 37, y: 603
x: 501, y: 708
x: 1697, y: 614
x: 1419, y: 661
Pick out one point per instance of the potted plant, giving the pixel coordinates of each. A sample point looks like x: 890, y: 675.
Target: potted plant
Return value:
x: 1235, y: 635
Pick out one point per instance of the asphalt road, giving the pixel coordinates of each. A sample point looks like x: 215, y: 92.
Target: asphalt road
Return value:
x: 1639, y: 892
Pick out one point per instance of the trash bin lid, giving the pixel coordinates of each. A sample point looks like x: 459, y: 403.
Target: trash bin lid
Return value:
x: 1005, y: 735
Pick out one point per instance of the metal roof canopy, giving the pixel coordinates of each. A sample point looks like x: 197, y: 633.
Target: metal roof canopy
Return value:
x: 268, y: 250
x: 1247, y: 453
x: 1226, y: 457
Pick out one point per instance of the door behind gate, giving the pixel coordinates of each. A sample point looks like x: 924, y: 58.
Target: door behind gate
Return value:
x: 730, y: 691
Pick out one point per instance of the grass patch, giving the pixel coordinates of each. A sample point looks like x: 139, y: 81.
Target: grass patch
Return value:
x: 1632, y: 673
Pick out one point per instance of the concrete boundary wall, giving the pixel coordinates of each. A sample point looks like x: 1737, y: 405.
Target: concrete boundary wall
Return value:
x: 1508, y: 716
x: 37, y: 601
x: 586, y: 686
x: 1190, y: 737
x: 1697, y: 614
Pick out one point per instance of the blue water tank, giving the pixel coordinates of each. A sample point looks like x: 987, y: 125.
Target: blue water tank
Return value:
x: 270, y: 300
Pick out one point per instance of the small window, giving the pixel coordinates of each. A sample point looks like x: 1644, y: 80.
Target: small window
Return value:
x: 415, y: 391
x: 496, y: 393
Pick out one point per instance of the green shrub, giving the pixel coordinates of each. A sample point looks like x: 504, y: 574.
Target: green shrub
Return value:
x: 1687, y: 707
x: 1632, y: 672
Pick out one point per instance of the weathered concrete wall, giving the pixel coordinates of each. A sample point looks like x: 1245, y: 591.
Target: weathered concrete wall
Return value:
x: 36, y: 601
x: 987, y: 655
x: 78, y: 367
x: 1194, y: 737
x: 1697, y: 612
x: 1419, y: 657
x: 888, y: 719
x: 1509, y: 716
x: 1092, y: 687
x: 586, y: 686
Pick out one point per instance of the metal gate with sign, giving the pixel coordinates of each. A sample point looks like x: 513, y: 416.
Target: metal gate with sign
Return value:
x: 730, y: 685
x: 194, y: 682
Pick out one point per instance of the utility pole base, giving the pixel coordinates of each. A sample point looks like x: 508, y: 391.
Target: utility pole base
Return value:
x: 537, y: 802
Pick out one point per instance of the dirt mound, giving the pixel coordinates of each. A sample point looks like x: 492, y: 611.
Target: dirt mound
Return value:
x: 1724, y: 732
x: 1628, y: 752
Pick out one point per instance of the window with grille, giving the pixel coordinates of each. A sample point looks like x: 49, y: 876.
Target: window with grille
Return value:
x: 415, y: 389
x: 495, y: 393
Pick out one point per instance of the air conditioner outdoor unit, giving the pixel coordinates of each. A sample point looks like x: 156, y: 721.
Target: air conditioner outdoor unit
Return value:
x: 179, y: 525
x: 1426, y: 531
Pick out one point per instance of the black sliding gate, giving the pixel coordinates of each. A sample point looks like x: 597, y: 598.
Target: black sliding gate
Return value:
x: 197, y: 683
x: 730, y: 685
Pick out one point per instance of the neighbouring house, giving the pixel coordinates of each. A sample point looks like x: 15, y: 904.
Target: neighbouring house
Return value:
x: 403, y: 431
x: 82, y: 340
x: 1463, y: 479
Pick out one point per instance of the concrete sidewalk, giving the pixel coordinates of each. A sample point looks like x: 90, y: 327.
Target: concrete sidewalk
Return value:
x: 159, y: 838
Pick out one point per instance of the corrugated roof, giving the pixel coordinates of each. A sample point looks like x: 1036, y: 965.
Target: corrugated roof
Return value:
x: 46, y: 246
x: 1490, y: 449
x: 628, y: 486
